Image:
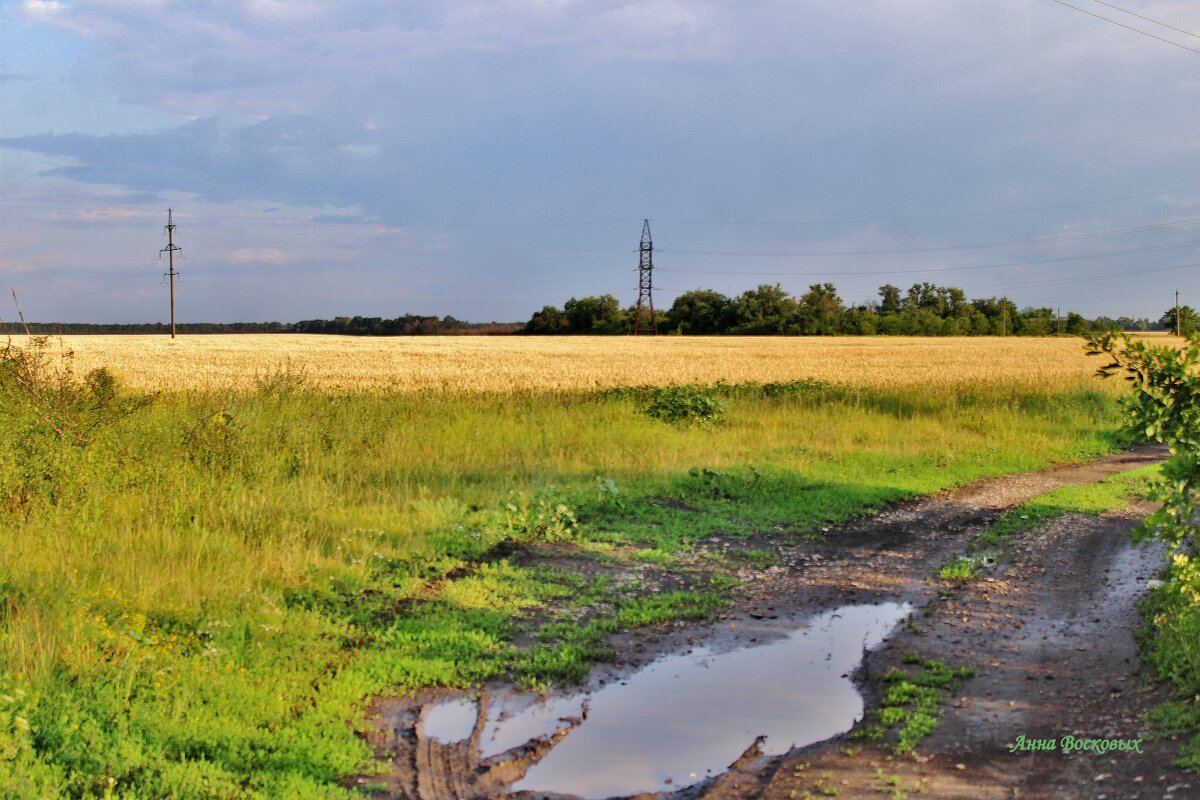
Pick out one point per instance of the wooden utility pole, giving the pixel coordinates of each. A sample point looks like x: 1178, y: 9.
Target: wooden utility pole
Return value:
x: 1004, y: 316
x: 171, y: 273
x: 1177, y: 312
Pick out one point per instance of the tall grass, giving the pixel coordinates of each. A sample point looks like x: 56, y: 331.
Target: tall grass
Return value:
x: 196, y: 595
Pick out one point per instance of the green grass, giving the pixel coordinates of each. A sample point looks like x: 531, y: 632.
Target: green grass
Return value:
x: 959, y: 569
x: 1168, y: 641
x: 911, y: 707
x: 200, y: 592
x: 1099, y: 497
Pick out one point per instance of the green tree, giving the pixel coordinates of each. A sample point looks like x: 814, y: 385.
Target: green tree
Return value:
x: 701, y: 311
x: 889, y: 299
x: 549, y: 320
x: 766, y: 309
x: 594, y: 315
x: 820, y: 310
x: 1164, y: 406
x: 1076, y: 325
x: 1036, y: 322
x: 1188, y: 322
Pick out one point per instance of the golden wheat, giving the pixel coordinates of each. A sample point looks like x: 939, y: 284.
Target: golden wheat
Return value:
x: 513, y: 363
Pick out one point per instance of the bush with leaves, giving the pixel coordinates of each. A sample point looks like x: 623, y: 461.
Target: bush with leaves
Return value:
x: 1163, y: 406
x: 686, y: 405
x: 49, y: 418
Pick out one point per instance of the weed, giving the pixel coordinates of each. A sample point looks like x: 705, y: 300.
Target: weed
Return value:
x: 959, y: 569
x: 282, y: 380
x: 544, y: 518
x: 755, y: 557
x: 911, y: 704
x: 608, y: 493
x: 198, y: 595
x: 686, y: 406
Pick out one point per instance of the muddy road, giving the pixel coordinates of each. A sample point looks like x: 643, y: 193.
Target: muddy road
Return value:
x: 707, y: 712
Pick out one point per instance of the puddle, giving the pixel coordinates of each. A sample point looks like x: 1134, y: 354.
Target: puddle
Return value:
x: 676, y: 722
x: 686, y: 718
x: 451, y: 720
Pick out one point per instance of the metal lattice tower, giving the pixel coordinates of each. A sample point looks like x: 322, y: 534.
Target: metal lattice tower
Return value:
x: 643, y: 315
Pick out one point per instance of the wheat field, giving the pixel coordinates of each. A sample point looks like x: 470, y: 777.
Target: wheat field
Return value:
x: 471, y: 364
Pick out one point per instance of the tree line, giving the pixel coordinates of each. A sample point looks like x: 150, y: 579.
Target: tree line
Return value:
x: 406, y: 325
x: 924, y: 310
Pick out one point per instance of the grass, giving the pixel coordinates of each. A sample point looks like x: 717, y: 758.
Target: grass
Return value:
x: 911, y: 704
x: 1168, y: 639
x: 996, y: 542
x: 200, y: 590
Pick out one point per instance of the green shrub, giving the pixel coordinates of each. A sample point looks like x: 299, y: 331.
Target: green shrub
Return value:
x: 686, y: 405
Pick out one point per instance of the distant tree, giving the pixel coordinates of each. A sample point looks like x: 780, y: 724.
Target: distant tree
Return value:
x: 889, y: 299
x: 979, y: 324
x: 926, y: 296
x: 1076, y: 325
x: 550, y: 319
x: 820, y: 310
x: 1036, y: 322
x: 954, y: 302
x: 767, y: 309
x: 701, y: 311
x: 1188, y: 322
x: 594, y: 315
x: 860, y: 321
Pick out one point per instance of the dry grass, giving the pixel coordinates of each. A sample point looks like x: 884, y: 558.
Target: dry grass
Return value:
x: 503, y: 364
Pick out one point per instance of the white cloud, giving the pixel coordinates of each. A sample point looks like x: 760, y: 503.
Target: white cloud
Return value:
x: 250, y: 255
x: 477, y: 111
x: 41, y: 9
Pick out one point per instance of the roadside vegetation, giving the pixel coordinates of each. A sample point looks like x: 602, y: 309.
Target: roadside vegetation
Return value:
x: 911, y: 707
x: 200, y: 590
x: 994, y: 545
x: 1163, y: 405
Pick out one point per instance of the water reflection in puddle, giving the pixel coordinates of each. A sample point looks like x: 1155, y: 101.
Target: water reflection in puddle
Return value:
x: 688, y: 717
x: 685, y: 718
x: 450, y: 720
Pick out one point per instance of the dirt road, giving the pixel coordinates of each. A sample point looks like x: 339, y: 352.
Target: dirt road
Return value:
x: 1049, y: 636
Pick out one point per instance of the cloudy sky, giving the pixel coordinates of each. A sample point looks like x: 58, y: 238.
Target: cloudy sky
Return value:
x: 483, y: 158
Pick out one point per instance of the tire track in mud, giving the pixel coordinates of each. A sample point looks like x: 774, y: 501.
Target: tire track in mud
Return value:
x: 1033, y: 619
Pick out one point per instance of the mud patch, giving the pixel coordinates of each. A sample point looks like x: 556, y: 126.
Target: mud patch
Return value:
x: 679, y: 721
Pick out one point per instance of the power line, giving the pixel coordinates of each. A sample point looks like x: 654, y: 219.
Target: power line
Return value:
x: 1128, y: 27
x: 1147, y: 19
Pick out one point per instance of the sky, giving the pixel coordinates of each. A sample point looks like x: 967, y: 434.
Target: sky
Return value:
x: 484, y: 158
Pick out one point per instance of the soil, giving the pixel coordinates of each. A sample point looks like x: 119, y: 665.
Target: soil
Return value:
x: 1049, y: 635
